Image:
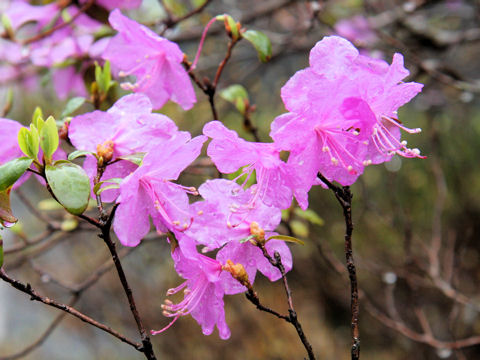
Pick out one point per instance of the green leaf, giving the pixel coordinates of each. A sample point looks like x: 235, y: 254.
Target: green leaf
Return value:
x: 286, y: 238
x: 11, y: 171
x: 116, y: 184
x: 7, y: 24
x: 72, y: 105
x: 37, y: 118
x: 237, y: 95
x: 230, y: 25
x: 135, y: 158
x: 29, y: 141
x: 78, y: 153
x: 261, y: 43
x: 248, y: 238
x: 49, y: 139
x: 107, y: 77
x: 98, y: 75
x: 108, y: 187
x: 49, y: 205
x: 70, y: 185
x: 309, y: 215
x: 300, y: 228
x: 6, y: 216
x: 69, y: 224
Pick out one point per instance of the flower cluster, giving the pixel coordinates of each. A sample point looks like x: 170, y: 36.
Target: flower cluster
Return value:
x: 342, y: 117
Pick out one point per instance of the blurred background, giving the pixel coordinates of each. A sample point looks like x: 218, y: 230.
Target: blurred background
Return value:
x: 417, y: 222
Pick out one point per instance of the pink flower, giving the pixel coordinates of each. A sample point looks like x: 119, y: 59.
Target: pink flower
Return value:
x: 120, y: 4
x: 356, y: 29
x: 19, y: 13
x: 153, y: 60
x: 128, y: 127
x: 9, y: 148
x: 229, y: 153
x: 67, y: 81
x: 342, y: 112
x: 203, y: 289
x: 150, y: 191
x: 223, y: 221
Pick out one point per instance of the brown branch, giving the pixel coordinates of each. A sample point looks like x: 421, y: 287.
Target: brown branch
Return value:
x: 254, y: 299
x: 344, y: 197
x: 292, y: 318
x: 172, y: 21
x: 147, y: 348
x: 50, y: 31
x: 43, y: 337
x: 29, y: 243
x: 34, y: 296
x: 34, y: 211
x: 416, y: 336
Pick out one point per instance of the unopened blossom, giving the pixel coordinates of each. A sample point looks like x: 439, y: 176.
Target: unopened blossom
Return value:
x: 150, y: 191
x: 155, y: 62
x: 203, y: 290
x: 230, y: 153
x: 128, y: 127
x: 343, y: 112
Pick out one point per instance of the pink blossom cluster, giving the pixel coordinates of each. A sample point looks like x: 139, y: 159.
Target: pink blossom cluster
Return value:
x: 24, y: 51
x: 342, y: 117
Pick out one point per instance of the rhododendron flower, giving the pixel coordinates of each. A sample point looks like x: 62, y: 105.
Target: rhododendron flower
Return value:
x: 274, y: 182
x: 9, y: 148
x: 356, y: 29
x: 128, y: 127
x: 342, y: 112
x: 20, y: 13
x: 203, y: 289
x: 222, y: 219
x: 149, y: 191
x: 120, y: 4
x: 155, y: 62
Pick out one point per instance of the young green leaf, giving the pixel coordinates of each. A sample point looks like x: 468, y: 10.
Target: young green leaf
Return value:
x: 37, y: 118
x: 72, y: 105
x: 49, y: 139
x: 78, y: 153
x: 135, y: 158
x: 286, y: 238
x: 70, y: 185
x: 11, y: 171
x: 261, y: 43
x: 237, y: 95
x: 116, y: 184
x: 309, y: 215
x: 28, y: 141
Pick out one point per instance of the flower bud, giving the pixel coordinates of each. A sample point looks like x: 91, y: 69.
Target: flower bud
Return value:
x: 238, y: 272
x: 258, y: 232
x: 105, y: 150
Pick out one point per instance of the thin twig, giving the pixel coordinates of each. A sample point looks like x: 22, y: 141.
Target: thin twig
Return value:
x: 344, y: 197
x: 54, y: 324
x: 50, y: 31
x: 292, y: 318
x: 172, y: 21
x: 34, y: 296
x: 147, y: 348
